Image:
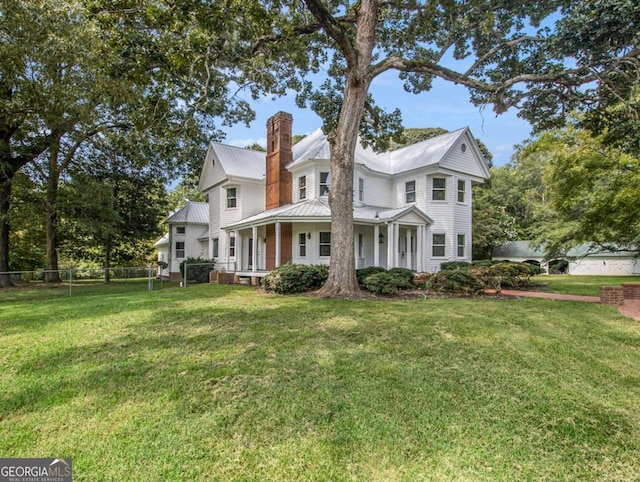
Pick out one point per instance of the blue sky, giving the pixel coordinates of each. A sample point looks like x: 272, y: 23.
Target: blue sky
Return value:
x: 446, y: 105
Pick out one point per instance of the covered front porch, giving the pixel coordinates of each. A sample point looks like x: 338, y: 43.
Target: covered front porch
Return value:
x: 301, y: 233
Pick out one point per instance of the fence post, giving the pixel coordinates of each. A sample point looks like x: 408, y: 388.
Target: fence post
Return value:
x: 70, y: 280
x: 150, y: 282
x: 184, y: 283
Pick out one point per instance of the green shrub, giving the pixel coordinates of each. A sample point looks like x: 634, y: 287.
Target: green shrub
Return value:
x: 403, y: 273
x: 364, y: 273
x: 198, y: 269
x: 386, y: 283
x: 455, y: 281
x: 505, y: 274
x: 450, y: 265
x: 295, y: 278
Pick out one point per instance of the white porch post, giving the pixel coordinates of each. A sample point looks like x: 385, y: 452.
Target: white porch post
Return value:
x: 390, y: 246
x: 277, y: 264
x: 254, y: 248
x: 420, y: 253
x: 376, y: 245
x: 409, y: 247
x: 396, y: 243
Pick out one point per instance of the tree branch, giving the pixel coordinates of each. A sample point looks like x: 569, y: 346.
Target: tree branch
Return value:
x: 333, y: 28
x: 497, y: 48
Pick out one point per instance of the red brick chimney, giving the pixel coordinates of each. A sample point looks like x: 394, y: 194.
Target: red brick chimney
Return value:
x: 279, y: 180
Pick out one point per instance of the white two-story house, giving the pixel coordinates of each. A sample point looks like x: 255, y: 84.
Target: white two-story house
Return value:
x: 411, y: 208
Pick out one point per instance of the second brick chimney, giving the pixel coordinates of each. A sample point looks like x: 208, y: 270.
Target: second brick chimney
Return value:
x: 279, y: 181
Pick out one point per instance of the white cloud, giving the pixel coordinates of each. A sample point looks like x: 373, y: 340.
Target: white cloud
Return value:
x: 249, y: 142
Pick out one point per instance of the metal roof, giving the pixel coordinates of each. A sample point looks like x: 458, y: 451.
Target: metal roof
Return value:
x: 421, y: 154
x: 163, y: 241
x: 193, y: 213
x: 240, y: 162
x: 523, y: 249
x: 318, y: 209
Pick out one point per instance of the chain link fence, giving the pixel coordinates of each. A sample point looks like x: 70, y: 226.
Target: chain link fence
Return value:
x: 78, y: 281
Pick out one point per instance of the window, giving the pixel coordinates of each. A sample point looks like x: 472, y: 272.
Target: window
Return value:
x: 461, y: 245
x: 410, y: 192
x: 439, y: 189
x: 232, y: 197
x: 179, y: 249
x: 232, y: 246
x: 462, y: 190
x: 360, y: 245
x: 302, y: 187
x: 302, y: 244
x: 438, y: 245
x: 325, y: 244
x: 180, y: 230
x: 325, y: 183
x: 360, y: 189
x: 215, y: 247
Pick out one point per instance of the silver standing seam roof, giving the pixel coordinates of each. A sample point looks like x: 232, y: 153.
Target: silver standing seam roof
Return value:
x: 240, y: 162
x: 193, y: 213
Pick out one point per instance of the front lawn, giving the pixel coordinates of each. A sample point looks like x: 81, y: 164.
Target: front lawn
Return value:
x: 580, y: 284
x: 228, y: 383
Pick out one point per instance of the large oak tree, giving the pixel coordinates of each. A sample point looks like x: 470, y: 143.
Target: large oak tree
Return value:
x: 542, y: 57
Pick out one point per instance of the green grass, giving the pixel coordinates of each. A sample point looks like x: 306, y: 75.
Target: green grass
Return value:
x: 580, y: 284
x: 227, y: 383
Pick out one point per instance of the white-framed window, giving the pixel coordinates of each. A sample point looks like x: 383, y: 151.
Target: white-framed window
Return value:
x: 325, y: 183
x: 179, y: 249
x: 410, y: 192
x: 232, y: 197
x: 216, y: 243
x: 439, y: 245
x: 461, y: 245
x: 181, y: 229
x: 325, y: 244
x: 439, y: 190
x: 360, y: 189
x: 302, y: 245
x: 232, y: 246
x: 360, y: 245
x: 462, y: 190
x: 302, y: 187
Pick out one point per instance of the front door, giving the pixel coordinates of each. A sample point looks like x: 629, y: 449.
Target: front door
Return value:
x: 250, y: 251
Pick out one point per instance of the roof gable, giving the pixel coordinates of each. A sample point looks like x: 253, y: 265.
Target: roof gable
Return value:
x: 223, y: 161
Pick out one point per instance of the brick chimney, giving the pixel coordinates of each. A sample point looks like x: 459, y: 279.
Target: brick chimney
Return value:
x: 279, y: 180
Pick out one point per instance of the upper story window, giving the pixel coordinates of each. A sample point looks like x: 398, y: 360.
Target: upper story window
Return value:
x: 302, y: 187
x: 360, y: 189
x: 410, y: 192
x: 325, y: 183
x: 232, y: 197
x: 439, y: 192
x: 181, y: 230
x: 462, y: 190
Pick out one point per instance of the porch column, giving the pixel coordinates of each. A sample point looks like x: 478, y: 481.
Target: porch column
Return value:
x: 277, y: 263
x: 420, y: 250
x: 254, y: 248
x: 390, y: 246
x: 376, y: 245
x: 409, y: 246
x: 396, y: 244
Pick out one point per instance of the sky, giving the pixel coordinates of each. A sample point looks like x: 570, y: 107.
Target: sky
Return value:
x: 446, y: 105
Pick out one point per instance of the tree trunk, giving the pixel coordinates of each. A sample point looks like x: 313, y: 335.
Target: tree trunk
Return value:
x: 5, y: 194
x: 342, y: 282
x: 107, y: 260
x: 51, y: 218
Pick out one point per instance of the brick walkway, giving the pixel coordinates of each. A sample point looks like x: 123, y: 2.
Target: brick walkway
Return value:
x: 631, y: 308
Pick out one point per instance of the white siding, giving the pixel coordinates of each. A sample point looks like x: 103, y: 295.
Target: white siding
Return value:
x: 463, y: 161
x: 252, y: 196
x: 377, y: 190
x: 462, y: 217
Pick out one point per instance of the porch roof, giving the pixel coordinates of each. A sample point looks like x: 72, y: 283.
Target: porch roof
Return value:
x: 317, y: 209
